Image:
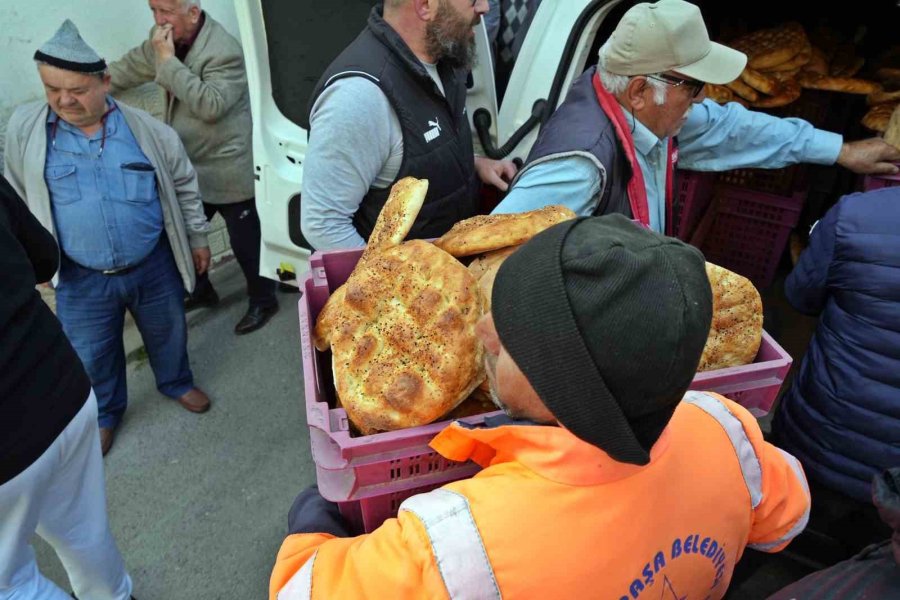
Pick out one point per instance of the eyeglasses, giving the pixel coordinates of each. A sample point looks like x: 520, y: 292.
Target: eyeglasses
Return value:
x: 692, y: 85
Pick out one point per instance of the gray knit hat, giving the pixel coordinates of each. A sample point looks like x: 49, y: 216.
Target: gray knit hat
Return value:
x: 607, y: 320
x: 67, y: 50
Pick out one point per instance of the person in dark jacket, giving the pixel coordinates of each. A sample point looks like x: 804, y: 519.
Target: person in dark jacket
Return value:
x: 51, y: 469
x: 392, y: 105
x: 874, y: 572
x: 841, y: 416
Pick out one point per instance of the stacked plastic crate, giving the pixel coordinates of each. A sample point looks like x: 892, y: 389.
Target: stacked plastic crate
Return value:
x: 742, y: 219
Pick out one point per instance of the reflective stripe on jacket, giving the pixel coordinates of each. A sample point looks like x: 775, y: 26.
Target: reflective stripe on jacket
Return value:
x: 551, y: 516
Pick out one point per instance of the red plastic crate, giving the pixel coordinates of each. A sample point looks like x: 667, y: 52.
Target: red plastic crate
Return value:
x: 370, y: 476
x: 748, y: 231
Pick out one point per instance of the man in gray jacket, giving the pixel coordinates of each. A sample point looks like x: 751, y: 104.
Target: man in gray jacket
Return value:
x: 201, y: 68
x: 116, y: 189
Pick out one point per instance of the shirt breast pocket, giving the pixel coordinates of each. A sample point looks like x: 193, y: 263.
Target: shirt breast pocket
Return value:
x: 139, y: 182
x: 62, y: 181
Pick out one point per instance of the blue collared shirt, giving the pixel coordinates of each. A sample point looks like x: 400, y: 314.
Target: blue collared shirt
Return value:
x: 103, y: 193
x: 714, y: 138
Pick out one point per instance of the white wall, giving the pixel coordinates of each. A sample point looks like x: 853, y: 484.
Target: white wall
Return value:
x: 111, y: 27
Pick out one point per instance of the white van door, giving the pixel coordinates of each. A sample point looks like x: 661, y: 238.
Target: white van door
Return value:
x: 287, y: 45
x: 560, y: 43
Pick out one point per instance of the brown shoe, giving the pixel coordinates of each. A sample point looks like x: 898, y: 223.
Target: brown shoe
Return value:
x: 195, y: 401
x: 107, y: 435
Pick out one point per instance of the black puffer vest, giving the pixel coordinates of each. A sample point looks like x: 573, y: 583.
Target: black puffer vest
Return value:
x: 580, y: 127
x: 437, y: 141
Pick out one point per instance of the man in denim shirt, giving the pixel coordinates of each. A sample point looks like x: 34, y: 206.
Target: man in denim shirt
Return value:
x: 119, y: 193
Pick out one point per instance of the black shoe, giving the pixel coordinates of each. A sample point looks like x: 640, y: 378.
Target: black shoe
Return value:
x: 255, y: 318
x: 287, y: 288
x: 207, y: 299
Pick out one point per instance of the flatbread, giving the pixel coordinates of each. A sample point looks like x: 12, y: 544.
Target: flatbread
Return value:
x: 736, y: 330
x: 484, y: 233
x: 883, y: 97
x: 790, y: 91
x: 849, y: 85
x: 484, y: 269
x: 761, y: 82
x: 743, y: 90
x: 393, y: 224
x: 798, y: 62
x: 397, y: 216
x: 489, y: 260
x: 327, y: 319
x: 766, y: 48
x: 878, y: 117
x: 405, y: 351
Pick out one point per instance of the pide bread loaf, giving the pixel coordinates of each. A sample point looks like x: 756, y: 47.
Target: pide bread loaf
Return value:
x: 789, y: 92
x: 847, y: 85
x: 743, y: 90
x: 761, y: 82
x: 484, y: 233
x: 489, y: 261
x: 798, y: 62
x: 397, y: 216
x: 391, y: 228
x: 767, y: 48
x: 405, y: 350
x: 883, y: 97
x: 736, y: 330
x: 878, y: 117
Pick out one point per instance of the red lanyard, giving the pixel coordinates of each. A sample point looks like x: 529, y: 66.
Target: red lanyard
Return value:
x: 637, y: 191
x: 102, y: 121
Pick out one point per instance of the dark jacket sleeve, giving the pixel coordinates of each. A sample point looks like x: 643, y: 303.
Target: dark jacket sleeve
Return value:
x: 807, y: 285
x: 39, y: 244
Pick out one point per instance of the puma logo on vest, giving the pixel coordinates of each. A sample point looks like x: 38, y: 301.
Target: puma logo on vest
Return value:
x: 434, y: 132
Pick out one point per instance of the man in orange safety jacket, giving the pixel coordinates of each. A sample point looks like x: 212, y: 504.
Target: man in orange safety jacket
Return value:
x: 614, y: 481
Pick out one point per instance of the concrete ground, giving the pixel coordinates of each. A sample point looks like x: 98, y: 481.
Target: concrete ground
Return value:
x: 198, y: 503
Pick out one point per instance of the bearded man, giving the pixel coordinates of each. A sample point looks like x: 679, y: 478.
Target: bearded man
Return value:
x: 391, y: 105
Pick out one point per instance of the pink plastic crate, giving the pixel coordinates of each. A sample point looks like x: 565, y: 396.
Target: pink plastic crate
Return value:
x: 695, y: 190
x: 370, y: 476
x: 754, y: 386
x: 354, y: 468
x: 749, y: 230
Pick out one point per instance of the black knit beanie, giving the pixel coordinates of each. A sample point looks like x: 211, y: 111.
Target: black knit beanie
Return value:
x: 607, y: 320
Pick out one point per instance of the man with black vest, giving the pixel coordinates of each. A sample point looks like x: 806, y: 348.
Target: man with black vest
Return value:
x: 391, y: 105
x: 611, y: 146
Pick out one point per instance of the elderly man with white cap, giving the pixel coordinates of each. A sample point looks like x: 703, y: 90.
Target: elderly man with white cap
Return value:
x: 611, y: 146
x: 117, y: 190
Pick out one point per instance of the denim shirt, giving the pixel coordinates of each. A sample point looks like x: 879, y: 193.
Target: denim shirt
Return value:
x: 103, y: 193
x: 714, y: 138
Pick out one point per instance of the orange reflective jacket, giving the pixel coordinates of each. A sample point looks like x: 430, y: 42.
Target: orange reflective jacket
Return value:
x: 551, y: 516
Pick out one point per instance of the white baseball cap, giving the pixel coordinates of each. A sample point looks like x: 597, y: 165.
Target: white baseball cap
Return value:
x: 670, y: 35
